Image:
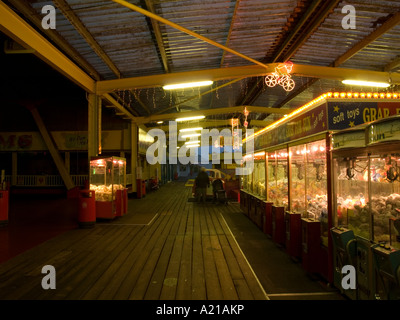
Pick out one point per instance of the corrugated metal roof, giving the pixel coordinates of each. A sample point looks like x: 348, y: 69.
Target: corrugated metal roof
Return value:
x: 137, y: 47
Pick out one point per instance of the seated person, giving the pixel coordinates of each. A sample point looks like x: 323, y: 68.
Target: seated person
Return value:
x: 217, y: 185
x: 202, y: 181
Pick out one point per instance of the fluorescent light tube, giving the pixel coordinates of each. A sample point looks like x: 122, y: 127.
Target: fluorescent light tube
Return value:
x: 190, y: 129
x: 187, y: 85
x: 191, y: 135
x: 190, y: 118
x: 366, y: 83
x: 192, y: 142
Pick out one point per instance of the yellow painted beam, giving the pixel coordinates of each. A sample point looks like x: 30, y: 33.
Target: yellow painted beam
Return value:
x: 209, y: 112
x: 117, y: 105
x: 187, y: 31
x: 16, y: 28
x: 198, y: 96
x: 344, y: 73
x: 180, y: 77
x: 204, y: 124
x: 385, y: 27
x: 69, y: 184
x: 66, y: 10
x: 243, y: 72
x: 26, y: 9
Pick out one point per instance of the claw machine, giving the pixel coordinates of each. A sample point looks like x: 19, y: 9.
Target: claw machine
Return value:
x: 384, y: 152
x: 351, y: 219
x: 297, y: 210
x: 259, y: 193
x: 278, y: 193
x: 246, y: 187
x: 104, y: 180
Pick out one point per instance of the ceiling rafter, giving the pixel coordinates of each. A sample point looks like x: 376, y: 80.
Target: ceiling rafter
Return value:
x: 156, y: 30
x: 32, y: 15
x: 230, y: 31
x: 374, y: 35
x: 286, y: 43
x: 306, y: 25
x: 377, y: 33
x: 187, y: 31
x: 207, y: 112
x: 20, y: 31
x: 302, y: 70
x: 85, y: 33
x: 392, y: 65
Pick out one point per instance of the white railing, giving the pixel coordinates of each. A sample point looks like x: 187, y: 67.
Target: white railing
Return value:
x: 45, y: 180
x: 53, y: 180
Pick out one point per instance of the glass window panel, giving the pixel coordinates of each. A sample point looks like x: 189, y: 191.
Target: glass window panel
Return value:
x: 298, y: 182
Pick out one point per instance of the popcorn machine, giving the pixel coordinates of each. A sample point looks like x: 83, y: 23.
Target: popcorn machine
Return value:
x: 108, y: 180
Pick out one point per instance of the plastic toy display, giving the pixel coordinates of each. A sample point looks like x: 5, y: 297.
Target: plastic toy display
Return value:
x: 384, y: 175
x: 357, y: 190
x: 278, y: 178
x: 367, y: 201
x: 309, y: 183
x: 259, y: 179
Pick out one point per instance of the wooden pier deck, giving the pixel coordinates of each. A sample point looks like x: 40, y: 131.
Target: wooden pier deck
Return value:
x: 165, y: 248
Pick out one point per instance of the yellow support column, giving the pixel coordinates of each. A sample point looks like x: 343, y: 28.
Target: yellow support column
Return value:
x: 134, y: 153
x: 94, y: 126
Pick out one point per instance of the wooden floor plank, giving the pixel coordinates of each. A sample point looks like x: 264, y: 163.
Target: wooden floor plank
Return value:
x: 184, y: 287
x: 214, y: 291
x: 198, y: 278
x: 156, y: 282
x: 187, y: 252
x: 225, y: 279
x: 145, y: 276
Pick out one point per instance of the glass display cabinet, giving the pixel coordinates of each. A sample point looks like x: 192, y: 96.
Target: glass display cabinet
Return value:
x: 298, y: 181
x: 277, y: 192
x: 107, y: 179
x: 259, y: 191
x: 259, y: 178
x: 307, y: 224
x: 384, y: 175
x: 317, y: 186
x: 246, y: 186
x: 351, y: 215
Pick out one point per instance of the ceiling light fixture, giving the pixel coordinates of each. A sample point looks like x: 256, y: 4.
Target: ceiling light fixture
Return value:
x: 187, y: 85
x: 366, y: 83
x: 191, y: 135
x: 192, y: 142
x: 192, y: 145
x: 190, y: 118
x: 190, y: 129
